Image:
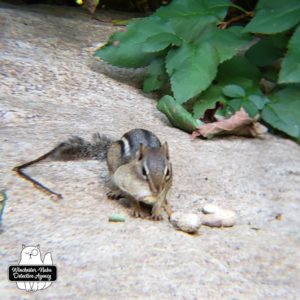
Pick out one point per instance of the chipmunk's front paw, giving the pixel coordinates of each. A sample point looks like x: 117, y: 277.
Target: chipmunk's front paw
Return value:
x: 115, y: 195
x: 156, y: 213
x: 156, y: 217
x: 137, y: 213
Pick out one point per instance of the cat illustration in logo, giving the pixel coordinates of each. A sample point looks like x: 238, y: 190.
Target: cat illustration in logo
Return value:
x: 31, y: 255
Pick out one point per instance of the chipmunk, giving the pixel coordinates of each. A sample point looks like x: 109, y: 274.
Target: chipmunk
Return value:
x: 139, y: 167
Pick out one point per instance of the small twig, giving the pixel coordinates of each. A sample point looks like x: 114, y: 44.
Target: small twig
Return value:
x: 225, y: 24
x: 112, y: 22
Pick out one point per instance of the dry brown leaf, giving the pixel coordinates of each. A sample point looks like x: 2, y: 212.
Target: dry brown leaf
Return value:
x: 238, y: 124
x: 91, y: 5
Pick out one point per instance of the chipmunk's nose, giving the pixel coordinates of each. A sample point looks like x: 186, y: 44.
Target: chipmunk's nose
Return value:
x: 156, y: 186
x: 157, y: 190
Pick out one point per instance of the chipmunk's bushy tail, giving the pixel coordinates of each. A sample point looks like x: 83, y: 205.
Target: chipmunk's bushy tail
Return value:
x: 73, y: 149
x: 78, y: 148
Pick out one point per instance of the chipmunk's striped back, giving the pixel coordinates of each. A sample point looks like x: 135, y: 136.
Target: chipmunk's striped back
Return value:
x: 131, y: 141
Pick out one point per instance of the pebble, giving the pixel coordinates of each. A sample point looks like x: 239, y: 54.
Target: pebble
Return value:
x: 187, y: 222
x: 218, y: 217
x: 210, y: 209
x: 116, y: 218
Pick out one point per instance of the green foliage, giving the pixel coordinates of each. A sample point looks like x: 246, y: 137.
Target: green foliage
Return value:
x: 233, y: 91
x: 267, y: 50
x: 283, y: 112
x: 191, y: 69
x: 274, y: 16
x: 188, y: 56
x: 207, y: 100
x: 156, y: 75
x: 290, y: 71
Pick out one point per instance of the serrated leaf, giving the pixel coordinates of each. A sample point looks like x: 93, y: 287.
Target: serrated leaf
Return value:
x: 233, y: 91
x: 207, y: 100
x: 196, y: 26
x: 274, y: 16
x: 156, y: 75
x: 283, y: 111
x: 267, y: 50
x: 160, y: 42
x: 191, y: 69
x: 228, y: 42
x: 124, y: 48
x: 290, y: 67
x: 189, y: 18
x: 177, y: 114
x: 179, y: 8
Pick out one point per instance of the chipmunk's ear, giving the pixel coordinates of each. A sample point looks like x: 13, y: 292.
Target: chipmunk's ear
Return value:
x: 142, y: 152
x: 23, y: 246
x: 165, y: 150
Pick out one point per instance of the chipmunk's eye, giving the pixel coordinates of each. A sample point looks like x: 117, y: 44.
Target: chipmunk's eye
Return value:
x: 144, y: 172
x: 168, y: 173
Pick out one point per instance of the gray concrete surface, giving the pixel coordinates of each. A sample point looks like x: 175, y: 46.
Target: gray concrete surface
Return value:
x: 51, y: 88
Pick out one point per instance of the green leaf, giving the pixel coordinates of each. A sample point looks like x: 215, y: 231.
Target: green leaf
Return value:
x: 233, y: 91
x: 236, y: 69
x: 236, y: 104
x: 290, y: 68
x: 258, y: 101
x: 228, y: 42
x: 191, y: 69
x: 267, y: 50
x: 252, y: 104
x: 207, y: 100
x: 124, y: 48
x: 196, y: 26
x: 184, y: 9
x: 189, y: 18
x: 283, y: 112
x: 274, y: 16
x: 177, y: 114
x: 156, y: 75
x: 250, y: 108
x: 160, y: 42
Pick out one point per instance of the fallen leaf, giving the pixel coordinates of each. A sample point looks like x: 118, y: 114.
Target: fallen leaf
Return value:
x: 209, y: 115
x: 238, y: 124
x: 91, y: 5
